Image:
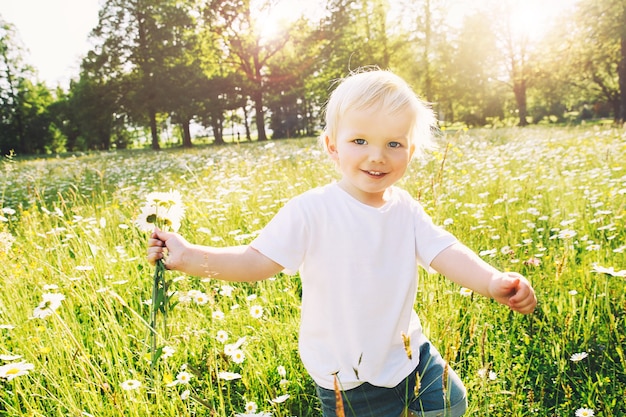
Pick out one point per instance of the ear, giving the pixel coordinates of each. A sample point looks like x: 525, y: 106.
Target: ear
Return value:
x: 411, y: 151
x: 331, y: 147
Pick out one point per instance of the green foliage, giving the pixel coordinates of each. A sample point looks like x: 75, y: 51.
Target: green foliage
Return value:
x: 206, y: 63
x: 549, y: 203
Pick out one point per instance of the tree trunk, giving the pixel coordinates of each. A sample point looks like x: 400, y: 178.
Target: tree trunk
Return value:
x: 218, y: 135
x: 245, y: 122
x: 621, y: 70
x: 520, y: 98
x: 257, y: 97
x: 186, y: 134
x: 153, y: 131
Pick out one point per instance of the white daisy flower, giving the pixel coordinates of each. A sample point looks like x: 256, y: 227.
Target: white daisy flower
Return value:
x: 15, y: 369
x: 577, y: 357
x: 130, y: 385
x: 51, y: 301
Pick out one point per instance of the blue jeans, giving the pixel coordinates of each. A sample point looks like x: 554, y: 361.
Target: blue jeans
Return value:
x: 432, y: 400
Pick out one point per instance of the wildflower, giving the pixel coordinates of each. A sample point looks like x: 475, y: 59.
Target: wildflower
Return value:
x: 256, y: 311
x: 486, y: 373
x: 577, y: 357
x: 218, y: 315
x: 230, y: 349
x: 164, y: 211
x: 280, y: 399
x: 185, y: 395
x: 254, y: 415
x: 161, y: 209
x: 229, y: 376
x: 49, y: 287
x: 6, y: 241
x: 533, y: 261
x: 221, y: 336
x: 282, y: 372
x: 251, y: 407
x: 200, y: 298
x: 183, y: 377
x: 488, y: 252
x: 566, y: 234
x: 465, y: 292
x: 130, y: 385
x: 573, y: 292
x: 167, y: 378
x: 167, y: 352
x: 609, y: 271
x: 84, y: 268
x: 51, y: 301
x: 448, y: 222
x: 238, y: 356
x: 585, y: 412
x: 226, y: 290
x: 15, y: 369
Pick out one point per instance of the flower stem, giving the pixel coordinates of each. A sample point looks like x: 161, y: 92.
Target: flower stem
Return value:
x: 158, y: 300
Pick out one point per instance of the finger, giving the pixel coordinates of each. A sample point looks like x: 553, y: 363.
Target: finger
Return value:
x: 155, y: 242
x: 526, y: 305
x: 154, y: 257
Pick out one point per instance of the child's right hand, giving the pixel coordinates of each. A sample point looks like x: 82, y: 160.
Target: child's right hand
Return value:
x: 167, y: 246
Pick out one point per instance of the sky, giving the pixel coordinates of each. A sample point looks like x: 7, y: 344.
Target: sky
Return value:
x: 55, y: 32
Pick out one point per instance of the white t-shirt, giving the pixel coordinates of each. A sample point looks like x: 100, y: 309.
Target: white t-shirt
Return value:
x: 358, y: 266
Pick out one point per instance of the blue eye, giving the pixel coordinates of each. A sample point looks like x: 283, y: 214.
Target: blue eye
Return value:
x: 394, y: 144
x: 360, y: 141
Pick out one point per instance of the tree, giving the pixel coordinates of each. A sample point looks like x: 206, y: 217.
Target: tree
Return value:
x: 473, y: 71
x: 515, y: 49
x: 136, y: 40
x: 221, y: 94
x: 12, y: 134
x: 292, y: 99
x: 424, y: 52
x: 24, y: 120
x: 602, y: 51
x: 246, y: 50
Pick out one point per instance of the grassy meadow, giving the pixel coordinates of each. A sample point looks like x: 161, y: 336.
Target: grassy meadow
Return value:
x: 75, y: 288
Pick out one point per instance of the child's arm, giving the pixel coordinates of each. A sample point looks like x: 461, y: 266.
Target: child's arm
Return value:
x: 235, y: 263
x: 461, y: 265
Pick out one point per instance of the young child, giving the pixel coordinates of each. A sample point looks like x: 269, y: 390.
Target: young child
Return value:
x: 356, y: 244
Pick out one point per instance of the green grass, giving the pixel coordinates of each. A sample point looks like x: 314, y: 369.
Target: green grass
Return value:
x: 554, y: 196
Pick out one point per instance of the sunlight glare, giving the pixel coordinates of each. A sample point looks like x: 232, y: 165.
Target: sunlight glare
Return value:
x: 530, y: 19
x: 270, y: 22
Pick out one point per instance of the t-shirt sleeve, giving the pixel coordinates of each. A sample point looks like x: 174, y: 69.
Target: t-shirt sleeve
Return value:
x: 284, y: 238
x: 430, y: 239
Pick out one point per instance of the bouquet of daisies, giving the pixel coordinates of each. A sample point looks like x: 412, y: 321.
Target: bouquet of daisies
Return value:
x: 163, y: 210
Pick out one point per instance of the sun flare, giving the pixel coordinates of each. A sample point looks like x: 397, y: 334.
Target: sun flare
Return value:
x: 271, y: 21
x: 531, y: 19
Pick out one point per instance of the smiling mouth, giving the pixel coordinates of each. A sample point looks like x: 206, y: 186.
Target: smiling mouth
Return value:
x: 374, y: 173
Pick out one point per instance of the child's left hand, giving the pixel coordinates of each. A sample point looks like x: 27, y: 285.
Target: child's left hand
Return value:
x: 513, y: 290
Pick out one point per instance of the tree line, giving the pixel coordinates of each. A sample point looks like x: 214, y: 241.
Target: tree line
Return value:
x: 210, y: 65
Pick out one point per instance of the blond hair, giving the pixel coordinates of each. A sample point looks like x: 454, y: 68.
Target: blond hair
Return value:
x: 367, y: 88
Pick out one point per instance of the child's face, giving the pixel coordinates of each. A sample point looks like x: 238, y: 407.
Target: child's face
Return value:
x: 372, y: 150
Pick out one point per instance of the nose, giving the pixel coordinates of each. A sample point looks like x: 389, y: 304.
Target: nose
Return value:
x: 377, y: 154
